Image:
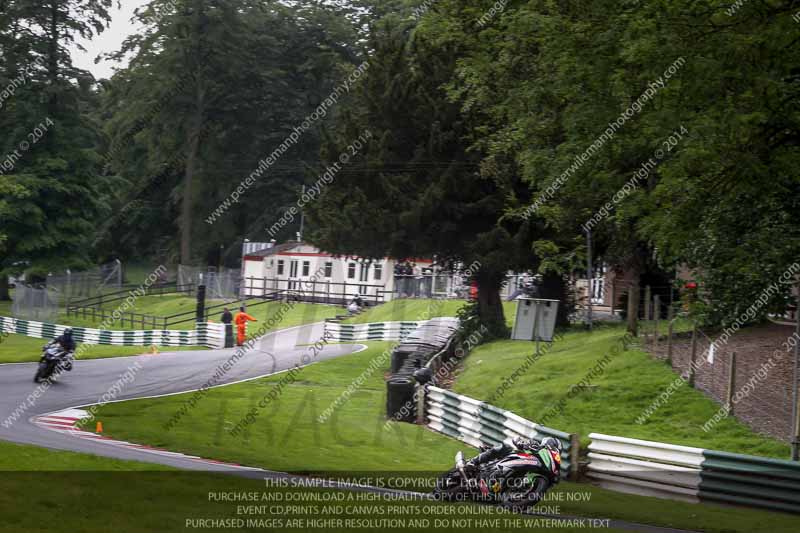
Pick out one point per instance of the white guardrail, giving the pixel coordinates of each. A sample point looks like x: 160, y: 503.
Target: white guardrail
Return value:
x: 645, y: 468
x: 477, y: 423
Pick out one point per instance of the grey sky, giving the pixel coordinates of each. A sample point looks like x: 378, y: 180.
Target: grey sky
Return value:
x: 108, y: 41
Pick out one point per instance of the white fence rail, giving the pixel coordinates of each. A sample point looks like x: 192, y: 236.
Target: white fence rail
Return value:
x: 645, y: 468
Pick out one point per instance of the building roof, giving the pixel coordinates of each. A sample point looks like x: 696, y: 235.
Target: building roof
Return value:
x: 275, y: 249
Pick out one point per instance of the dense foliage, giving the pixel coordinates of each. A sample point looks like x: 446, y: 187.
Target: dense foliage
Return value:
x: 496, y: 135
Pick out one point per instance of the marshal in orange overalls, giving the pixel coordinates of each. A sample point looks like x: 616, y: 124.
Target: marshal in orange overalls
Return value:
x: 241, y: 320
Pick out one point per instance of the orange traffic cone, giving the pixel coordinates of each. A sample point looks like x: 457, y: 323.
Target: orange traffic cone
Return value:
x: 99, y: 428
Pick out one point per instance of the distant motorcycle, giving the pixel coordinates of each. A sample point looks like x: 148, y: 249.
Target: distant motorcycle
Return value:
x: 516, y: 481
x: 55, y: 360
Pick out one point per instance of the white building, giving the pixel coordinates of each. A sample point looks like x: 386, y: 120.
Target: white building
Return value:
x: 320, y: 276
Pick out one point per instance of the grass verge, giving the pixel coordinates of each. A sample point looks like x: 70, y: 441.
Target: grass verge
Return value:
x: 288, y: 436
x: 420, y: 309
x: 18, y: 348
x: 144, y: 502
x: 614, y: 400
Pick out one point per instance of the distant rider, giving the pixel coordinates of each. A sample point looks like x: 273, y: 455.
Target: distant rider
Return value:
x: 67, y: 344
x: 549, y: 445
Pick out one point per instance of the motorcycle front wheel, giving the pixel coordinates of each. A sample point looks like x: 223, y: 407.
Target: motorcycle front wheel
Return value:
x: 450, y: 486
x: 41, y: 372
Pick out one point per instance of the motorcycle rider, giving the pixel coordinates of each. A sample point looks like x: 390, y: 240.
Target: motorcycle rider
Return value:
x: 488, y: 454
x: 67, y: 343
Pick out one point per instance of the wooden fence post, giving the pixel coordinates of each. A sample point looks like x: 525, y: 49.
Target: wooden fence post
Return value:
x: 694, y: 356
x: 731, y: 383
x: 657, y: 305
x: 671, y: 319
x: 421, y: 391
x: 574, y: 456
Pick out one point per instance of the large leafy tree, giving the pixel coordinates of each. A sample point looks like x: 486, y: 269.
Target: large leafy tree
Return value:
x: 550, y: 77
x: 215, y: 87
x: 415, y: 189
x: 56, y: 193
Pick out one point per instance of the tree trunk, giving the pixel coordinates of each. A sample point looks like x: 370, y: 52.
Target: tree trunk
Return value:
x: 52, y: 62
x: 490, y: 305
x: 554, y: 287
x: 188, y: 180
x: 4, y: 295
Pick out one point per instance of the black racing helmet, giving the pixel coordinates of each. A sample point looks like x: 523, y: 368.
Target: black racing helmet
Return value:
x: 552, y: 444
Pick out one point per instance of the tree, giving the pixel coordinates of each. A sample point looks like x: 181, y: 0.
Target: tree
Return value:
x: 415, y: 189
x: 550, y: 79
x: 235, y: 79
x: 58, y: 195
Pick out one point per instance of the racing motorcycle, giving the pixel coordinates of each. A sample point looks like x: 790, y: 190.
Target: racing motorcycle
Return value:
x: 54, y: 361
x: 516, y: 481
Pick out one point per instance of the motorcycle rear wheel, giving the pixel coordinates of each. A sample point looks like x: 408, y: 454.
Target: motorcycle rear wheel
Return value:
x: 523, y: 499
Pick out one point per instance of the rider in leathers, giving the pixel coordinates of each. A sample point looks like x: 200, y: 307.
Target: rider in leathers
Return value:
x: 529, y: 446
x: 68, y: 345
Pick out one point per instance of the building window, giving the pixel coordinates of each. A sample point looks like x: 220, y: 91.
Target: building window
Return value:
x: 378, y: 272
x: 351, y: 271
x: 280, y: 267
x: 306, y: 268
x: 328, y: 269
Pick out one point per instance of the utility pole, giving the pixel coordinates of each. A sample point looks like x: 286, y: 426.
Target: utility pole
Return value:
x: 589, y: 275
x: 796, y: 406
x: 302, y: 218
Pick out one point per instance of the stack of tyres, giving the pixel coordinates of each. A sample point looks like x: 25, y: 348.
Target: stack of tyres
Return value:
x: 410, y: 356
x: 400, y: 404
x: 404, y: 352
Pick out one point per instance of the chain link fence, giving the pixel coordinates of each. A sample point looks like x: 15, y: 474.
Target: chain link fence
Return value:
x: 221, y: 284
x: 35, y: 303
x: 84, y: 284
x: 750, y: 374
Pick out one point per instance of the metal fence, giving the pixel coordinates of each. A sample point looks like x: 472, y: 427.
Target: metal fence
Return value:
x: 87, y: 283
x: 447, y: 285
x: 328, y: 292
x: 221, y: 284
x: 750, y: 373
x: 34, y: 303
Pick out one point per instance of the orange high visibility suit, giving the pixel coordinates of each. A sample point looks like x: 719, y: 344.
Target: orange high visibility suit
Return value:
x: 241, y: 326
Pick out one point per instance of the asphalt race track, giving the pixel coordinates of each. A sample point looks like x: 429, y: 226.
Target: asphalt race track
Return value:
x: 160, y: 375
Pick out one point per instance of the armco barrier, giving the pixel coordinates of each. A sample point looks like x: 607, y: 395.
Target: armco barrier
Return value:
x: 751, y: 481
x: 205, y: 334
x: 693, y: 474
x: 645, y: 468
x: 375, y: 331
x: 477, y: 423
